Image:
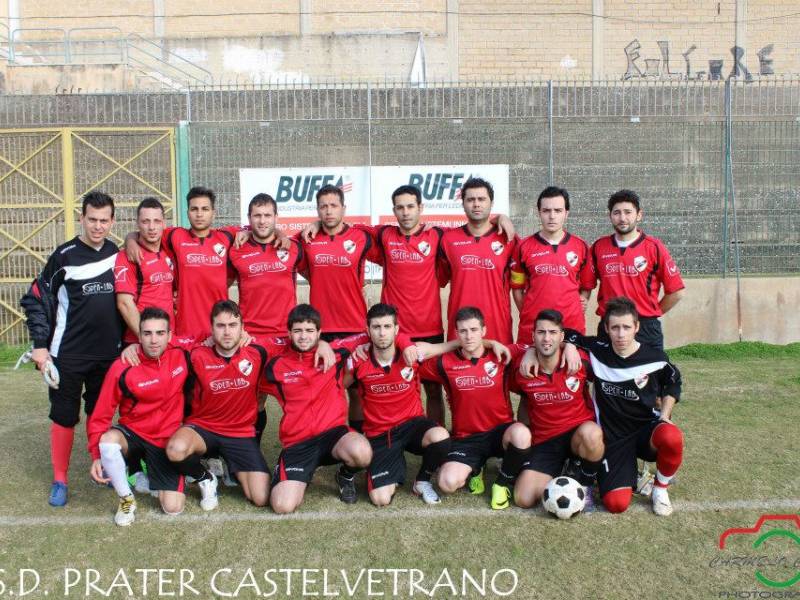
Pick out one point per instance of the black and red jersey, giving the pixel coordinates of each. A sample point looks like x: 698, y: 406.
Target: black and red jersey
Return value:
x: 150, y: 282
x: 556, y: 402
x: 267, y: 284
x: 390, y: 395
x: 636, y: 271
x: 478, y: 269
x: 553, y: 275
x: 150, y: 398
x: 202, y: 268
x: 336, y: 275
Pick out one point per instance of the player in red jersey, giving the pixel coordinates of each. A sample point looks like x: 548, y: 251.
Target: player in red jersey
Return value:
x: 483, y: 424
x: 148, y: 282
x: 635, y: 265
x: 561, y: 416
x: 150, y: 398
x: 552, y: 268
x: 476, y: 259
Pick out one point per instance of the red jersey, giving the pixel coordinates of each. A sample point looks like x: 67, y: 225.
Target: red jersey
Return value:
x: 202, y: 268
x: 149, y: 282
x: 479, y: 272
x: 637, y: 271
x: 312, y: 400
x: 556, y: 402
x: 336, y: 274
x: 150, y: 398
x: 389, y: 395
x: 267, y: 284
x: 554, y: 275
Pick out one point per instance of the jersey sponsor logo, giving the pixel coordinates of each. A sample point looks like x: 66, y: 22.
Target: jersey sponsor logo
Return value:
x: 535, y: 383
x: 535, y: 254
x: 469, y: 382
x: 292, y: 373
x: 478, y: 262
x: 283, y: 255
x: 621, y: 268
x: 572, y: 258
x: 459, y: 367
x: 185, y: 244
x: 641, y: 380
x: 246, y: 367
x: 424, y: 247
x: 329, y: 260
x: 614, y: 255
x: 266, y: 267
x: 214, y: 367
x: 407, y: 373
x: 548, y: 269
x: 200, y: 260
x: 97, y: 287
x: 573, y: 383
x: 462, y: 243
x: 552, y: 397
x: 490, y: 368
x: 405, y: 256
x: 250, y: 255
x: 161, y: 277
x: 177, y: 371
x: 383, y: 389
x: 349, y: 246
x: 617, y: 391
x: 227, y: 384
x: 120, y: 273
x: 219, y: 249
x: 147, y: 383
x: 497, y: 247
x: 640, y: 263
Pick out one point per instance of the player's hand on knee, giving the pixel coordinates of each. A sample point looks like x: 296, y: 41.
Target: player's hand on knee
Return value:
x: 96, y: 471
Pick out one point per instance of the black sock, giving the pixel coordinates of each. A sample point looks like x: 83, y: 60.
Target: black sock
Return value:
x: 432, y: 458
x: 357, y: 424
x: 192, y: 467
x: 513, y: 459
x: 261, y: 424
x: 348, y: 472
x: 587, y: 471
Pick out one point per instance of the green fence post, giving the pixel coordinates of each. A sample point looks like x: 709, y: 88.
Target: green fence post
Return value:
x: 184, y: 178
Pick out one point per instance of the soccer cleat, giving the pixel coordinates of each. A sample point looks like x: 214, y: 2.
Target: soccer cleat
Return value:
x: 208, y: 493
x: 661, y: 504
x: 424, y: 489
x: 347, y: 488
x: 644, y: 482
x: 58, y: 494
x: 476, y: 485
x: 501, y: 497
x: 125, y: 511
x: 588, y: 499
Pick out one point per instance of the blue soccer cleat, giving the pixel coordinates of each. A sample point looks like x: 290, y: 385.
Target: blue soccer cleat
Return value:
x: 58, y: 494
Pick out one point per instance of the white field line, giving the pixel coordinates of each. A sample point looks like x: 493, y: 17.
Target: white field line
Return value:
x: 220, y: 516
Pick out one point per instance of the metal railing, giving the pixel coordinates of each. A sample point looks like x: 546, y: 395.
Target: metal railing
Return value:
x: 166, y: 66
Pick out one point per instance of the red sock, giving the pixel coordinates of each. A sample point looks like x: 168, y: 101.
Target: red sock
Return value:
x: 60, y: 450
x: 668, y: 442
x: 618, y: 500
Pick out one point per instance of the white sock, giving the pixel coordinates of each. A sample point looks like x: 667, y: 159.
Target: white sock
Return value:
x: 663, y: 479
x: 114, y: 465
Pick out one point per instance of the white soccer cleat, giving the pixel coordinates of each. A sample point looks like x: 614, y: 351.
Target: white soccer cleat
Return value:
x: 125, y: 511
x: 661, y: 504
x: 424, y: 489
x: 208, y: 493
x: 644, y: 482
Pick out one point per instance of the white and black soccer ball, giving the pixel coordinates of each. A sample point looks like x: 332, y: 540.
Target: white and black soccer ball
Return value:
x: 564, y: 497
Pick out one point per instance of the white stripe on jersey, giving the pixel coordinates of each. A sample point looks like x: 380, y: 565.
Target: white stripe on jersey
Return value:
x: 61, y: 320
x: 613, y: 375
x: 90, y: 270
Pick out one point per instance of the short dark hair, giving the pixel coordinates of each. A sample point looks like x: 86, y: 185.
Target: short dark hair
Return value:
x: 304, y: 313
x: 624, y: 196
x: 619, y: 307
x: 552, y: 315
x: 262, y: 200
x: 381, y: 310
x: 97, y: 200
x: 153, y: 312
x: 465, y: 313
x: 552, y: 191
x: 477, y: 182
x: 330, y: 189
x: 408, y: 189
x: 201, y: 192
x: 149, y: 202
x: 225, y: 306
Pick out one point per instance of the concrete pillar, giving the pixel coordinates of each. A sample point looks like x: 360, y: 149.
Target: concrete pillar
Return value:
x: 159, y: 18
x: 740, y: 35
x: 452, y: 40
x: 305, y: 17
x: 598, y: 46
x: 13, y: 16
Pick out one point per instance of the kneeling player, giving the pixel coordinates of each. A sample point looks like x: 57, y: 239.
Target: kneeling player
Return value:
x: 561, y: 416
x: 629, y: 376
x: 150, y: 398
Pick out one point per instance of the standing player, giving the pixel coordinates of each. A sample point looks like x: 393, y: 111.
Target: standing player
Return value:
x: 561, y: 416
x: 551, y: 268
x: 629, y: 377
x: 634, y: 265
x: 150, y: 398
x: 71, y: 310
x: 148, y: 282
x: 476, y: 259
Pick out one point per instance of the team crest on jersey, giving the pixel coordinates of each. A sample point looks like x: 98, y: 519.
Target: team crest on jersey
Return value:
x: 349, y: 246
x: 640, y: 262
x: 641, y: 380
x: 424, y: 248
x: 246, y: 367
x: 283, y: 255
x: 497, y: 247
x: 573, y: 383
x: 490, y: 368
x: 572, y: 259
x: 407, y: 373
x: 219, y: 249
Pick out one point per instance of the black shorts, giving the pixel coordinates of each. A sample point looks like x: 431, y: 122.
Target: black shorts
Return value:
x: 332, y: 336
x: 430, y: 339
x: 474, y: 450
x: 160, y: 471
x: 299, y: 461
x: 619, y: 469
x: 388, y: 464
x: 241, y: 453
x: 548, y: 457
x: 76, y: 376
x: 649, y: 333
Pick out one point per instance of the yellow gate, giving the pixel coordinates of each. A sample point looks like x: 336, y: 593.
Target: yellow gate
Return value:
x: 43, y: 175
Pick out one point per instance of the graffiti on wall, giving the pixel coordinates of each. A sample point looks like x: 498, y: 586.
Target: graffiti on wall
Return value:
x: 672, y: 68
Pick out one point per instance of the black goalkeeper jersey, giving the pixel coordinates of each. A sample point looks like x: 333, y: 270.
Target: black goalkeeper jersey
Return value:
x: 626, y: 389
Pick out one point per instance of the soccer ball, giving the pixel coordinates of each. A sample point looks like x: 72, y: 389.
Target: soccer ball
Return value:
x: 563, y: 497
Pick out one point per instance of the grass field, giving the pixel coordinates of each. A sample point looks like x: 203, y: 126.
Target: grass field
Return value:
x: 740, y: 414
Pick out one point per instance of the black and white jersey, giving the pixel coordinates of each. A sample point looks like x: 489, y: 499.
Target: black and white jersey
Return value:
x: 87, y: 324
x: 626, y: 389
